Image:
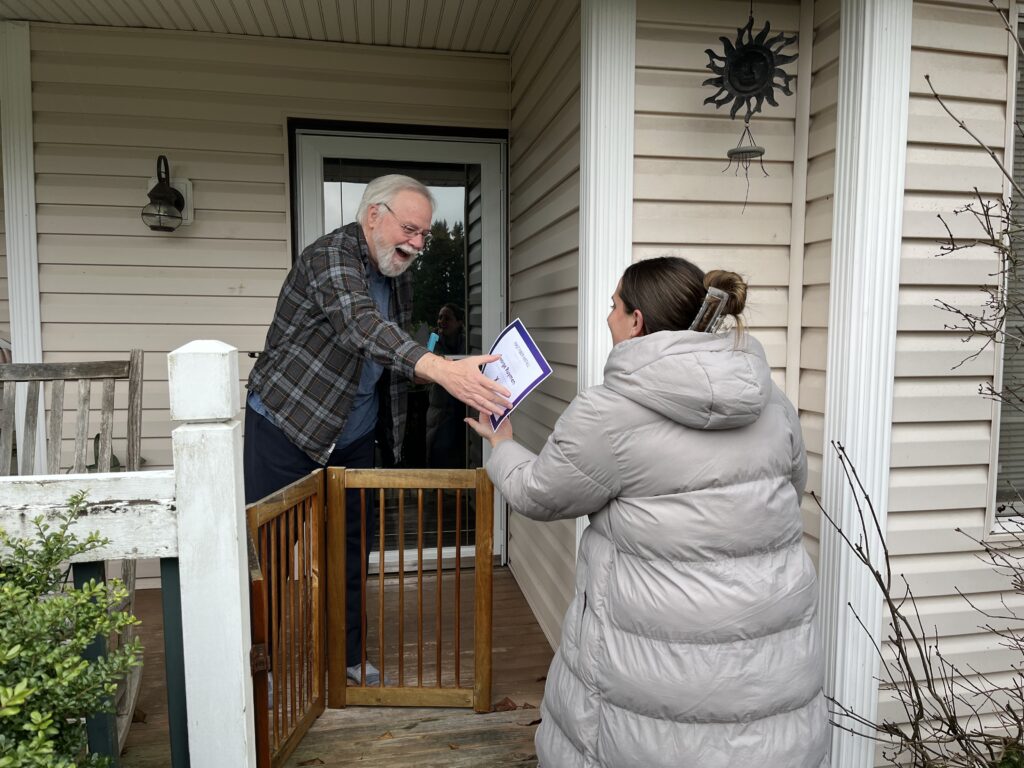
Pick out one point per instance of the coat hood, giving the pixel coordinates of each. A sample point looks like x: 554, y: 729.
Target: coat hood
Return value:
x: 699, y: 380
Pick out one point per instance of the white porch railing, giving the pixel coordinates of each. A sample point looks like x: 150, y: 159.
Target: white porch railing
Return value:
x: 196, y: 514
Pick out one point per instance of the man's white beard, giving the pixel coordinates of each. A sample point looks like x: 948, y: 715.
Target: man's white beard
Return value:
x: 388, y: 261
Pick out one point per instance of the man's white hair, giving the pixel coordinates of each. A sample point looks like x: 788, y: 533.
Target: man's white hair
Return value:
x: 383, y: 190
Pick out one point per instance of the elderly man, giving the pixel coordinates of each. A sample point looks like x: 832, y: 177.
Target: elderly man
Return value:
x: 336, y: 360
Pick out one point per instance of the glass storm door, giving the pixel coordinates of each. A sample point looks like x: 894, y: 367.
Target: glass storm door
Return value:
x: 460, y: 272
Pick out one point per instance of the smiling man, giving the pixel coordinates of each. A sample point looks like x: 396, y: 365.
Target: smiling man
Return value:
x: 337, y: 360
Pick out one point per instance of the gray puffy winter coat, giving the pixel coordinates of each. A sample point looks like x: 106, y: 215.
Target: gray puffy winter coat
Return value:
x: 692, y: 640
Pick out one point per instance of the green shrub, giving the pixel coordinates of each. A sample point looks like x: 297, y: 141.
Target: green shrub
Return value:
x: 46, y: 686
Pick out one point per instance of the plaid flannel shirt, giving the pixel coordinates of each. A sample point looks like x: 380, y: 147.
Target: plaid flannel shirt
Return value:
x: 325, y: 324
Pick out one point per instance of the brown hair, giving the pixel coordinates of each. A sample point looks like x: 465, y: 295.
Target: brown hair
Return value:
x: 669, y: 291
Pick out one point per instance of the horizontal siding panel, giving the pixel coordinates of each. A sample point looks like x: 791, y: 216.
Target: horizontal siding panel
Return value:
x: 68, y: 128
x: 927, y: 122
x: 957, y: 29
x: 559, y: 167
x: 761, y: 265
x: 940, y: 444
x: 560, y: 239
x: 558, y: 203
x: 555, y: 276
x: 551, y: 25
x: 818, y: 262
x: 812, y: 391
x: 128, y: 191
x: 138, y: 281
x: 960, y: 76
x: 821, y: 136
x: 558, y: 310
x: 258, y: 78
x: 938, y: 354
x: 825, y: 91
x: 538, y: 555
x: 955, y: 398
x: 826, y: 43
x: 818, y: 221
x: 711, y: 223
x: 687, y: 94
x: 921, y: 217
x: 813, y: 349
x: 170, y: 310
x: 921, y: 263
x: 767, y: 307
x: 528, y: 158
x: 933, y: 531
x: 670, y: 135
x: 690, y: 180
x: 821, y: 176
x: 943, y: 573
x: 155, y: 252
x: 197, y: 165
x: 934, y: 488
x: 723, y: 14
x: 919, y: 308
x: 97, y: 220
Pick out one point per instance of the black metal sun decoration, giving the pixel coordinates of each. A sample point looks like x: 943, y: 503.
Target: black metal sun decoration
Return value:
x: 748, y: 74
x: 748, y: 70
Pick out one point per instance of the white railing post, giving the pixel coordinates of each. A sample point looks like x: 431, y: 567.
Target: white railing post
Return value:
x: 212, y: 554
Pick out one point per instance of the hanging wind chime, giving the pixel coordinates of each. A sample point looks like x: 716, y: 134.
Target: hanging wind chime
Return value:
x: 747, y: 74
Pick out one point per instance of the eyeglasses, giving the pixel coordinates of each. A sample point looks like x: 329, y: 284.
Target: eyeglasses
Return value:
x: 409, y: 229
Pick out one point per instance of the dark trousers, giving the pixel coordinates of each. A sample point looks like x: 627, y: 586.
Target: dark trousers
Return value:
x: 271, y: 461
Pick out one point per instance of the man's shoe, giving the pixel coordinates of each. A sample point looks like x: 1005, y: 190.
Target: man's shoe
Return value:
x: 354, y: 674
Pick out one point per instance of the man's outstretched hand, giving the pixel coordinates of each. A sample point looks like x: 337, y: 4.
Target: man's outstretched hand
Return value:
x: 463, y: 380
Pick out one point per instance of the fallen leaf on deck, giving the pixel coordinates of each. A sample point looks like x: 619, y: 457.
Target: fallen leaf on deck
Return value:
x: 139, y: 716
x: 505, y: 705
x: 542, y: 678
x: 534, y: 722
x: 385, y: 735
x: 527, y: 705
x: 314, y: 761
x: 453, y: 746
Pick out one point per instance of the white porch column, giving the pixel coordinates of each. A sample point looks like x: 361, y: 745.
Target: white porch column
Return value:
x: 607, y: 77
x: 16, y: 147
x: 874, y: 74
x: 212, y: 554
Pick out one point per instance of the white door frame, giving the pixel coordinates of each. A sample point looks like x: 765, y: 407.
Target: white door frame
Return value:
x: 312, y: 146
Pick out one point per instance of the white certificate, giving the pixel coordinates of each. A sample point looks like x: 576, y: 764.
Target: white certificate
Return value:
x: 521, y: 367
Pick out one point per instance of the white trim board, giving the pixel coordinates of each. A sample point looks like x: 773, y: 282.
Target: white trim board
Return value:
x: 871, y: 145
x: 17, y: 147
x: 607, y: 96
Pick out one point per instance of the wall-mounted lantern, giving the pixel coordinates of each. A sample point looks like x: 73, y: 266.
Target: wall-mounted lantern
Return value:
x: 169, y: 205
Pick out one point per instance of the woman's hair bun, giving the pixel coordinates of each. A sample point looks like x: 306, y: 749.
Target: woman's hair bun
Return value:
x: 732, y: 284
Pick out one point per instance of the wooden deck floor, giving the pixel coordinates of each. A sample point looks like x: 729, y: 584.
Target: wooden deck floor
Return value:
x: 396, y: 737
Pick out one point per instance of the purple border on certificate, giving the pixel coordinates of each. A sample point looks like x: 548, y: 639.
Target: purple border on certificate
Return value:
x: 538, y: 358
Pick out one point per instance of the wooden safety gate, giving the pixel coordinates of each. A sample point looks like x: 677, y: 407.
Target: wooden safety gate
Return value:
x: 418, y: 641
x: 425, y: 592
x: 288, y: 608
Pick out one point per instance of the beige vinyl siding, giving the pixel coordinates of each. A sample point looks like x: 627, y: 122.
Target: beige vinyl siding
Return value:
x: 107, y: 102
x: 942, y: 428
x: 684, y: 204
x: 544, y: 198
x: 821, y: 161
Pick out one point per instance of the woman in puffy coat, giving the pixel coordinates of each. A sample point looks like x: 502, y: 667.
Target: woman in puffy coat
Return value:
x: 692, y: 640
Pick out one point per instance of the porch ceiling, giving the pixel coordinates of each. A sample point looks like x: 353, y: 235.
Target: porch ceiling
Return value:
x: 483, y: 26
